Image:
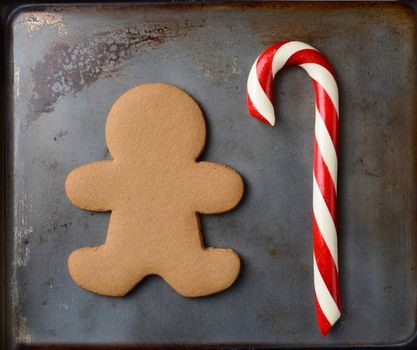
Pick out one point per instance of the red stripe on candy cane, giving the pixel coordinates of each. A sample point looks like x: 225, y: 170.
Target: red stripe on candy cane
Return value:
x: 325, y: 263
x: 264, y: 68
x: 259, y: 97
x: 310, y: 56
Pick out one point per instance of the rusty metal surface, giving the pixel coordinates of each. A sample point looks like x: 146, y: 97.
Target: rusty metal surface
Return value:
x: 69, y: 64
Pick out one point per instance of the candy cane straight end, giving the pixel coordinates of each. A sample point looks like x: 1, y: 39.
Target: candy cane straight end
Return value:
x: 260, y: 105
x: 324, y: 324
x: 324, y: 329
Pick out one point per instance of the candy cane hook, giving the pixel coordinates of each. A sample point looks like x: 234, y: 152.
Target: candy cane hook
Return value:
x: 259, y: 97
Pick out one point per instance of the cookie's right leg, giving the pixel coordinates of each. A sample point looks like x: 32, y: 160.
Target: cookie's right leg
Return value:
x: 104, y: 271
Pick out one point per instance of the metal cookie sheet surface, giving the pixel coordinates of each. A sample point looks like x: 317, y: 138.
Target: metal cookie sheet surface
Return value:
x: 69, y: 64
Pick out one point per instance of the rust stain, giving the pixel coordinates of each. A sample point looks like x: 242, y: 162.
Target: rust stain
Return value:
x: 68, y: 68
x: 274, y: 252
x: 20, y: 331
x: 35, y: 21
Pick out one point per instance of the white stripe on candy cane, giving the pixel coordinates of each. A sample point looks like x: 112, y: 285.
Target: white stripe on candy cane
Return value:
x: 285, y: 52
x: 326, y: 301
x: 325, y: 79
x: 326, y: 147
x: 324, y: 221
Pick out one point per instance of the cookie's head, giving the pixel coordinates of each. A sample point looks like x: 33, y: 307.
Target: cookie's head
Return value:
x: 158, y: 120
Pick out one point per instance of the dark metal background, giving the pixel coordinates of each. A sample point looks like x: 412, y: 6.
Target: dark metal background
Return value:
x: 68, y: 64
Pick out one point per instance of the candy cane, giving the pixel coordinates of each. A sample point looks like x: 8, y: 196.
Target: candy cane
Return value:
x: 259, y: 97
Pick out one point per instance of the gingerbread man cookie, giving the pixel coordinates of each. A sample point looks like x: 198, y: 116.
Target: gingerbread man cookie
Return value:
x: 154, y: 188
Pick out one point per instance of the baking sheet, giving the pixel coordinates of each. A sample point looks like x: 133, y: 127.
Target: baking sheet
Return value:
x: 68, y: 64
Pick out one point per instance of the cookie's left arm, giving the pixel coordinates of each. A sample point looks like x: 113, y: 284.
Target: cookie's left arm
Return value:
x: 219, y: 188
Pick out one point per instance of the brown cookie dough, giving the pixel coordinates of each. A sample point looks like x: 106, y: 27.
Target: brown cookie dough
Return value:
x: 154, y: 188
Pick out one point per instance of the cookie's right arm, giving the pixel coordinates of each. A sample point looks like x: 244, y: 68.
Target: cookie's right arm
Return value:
x: 89, y: 186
